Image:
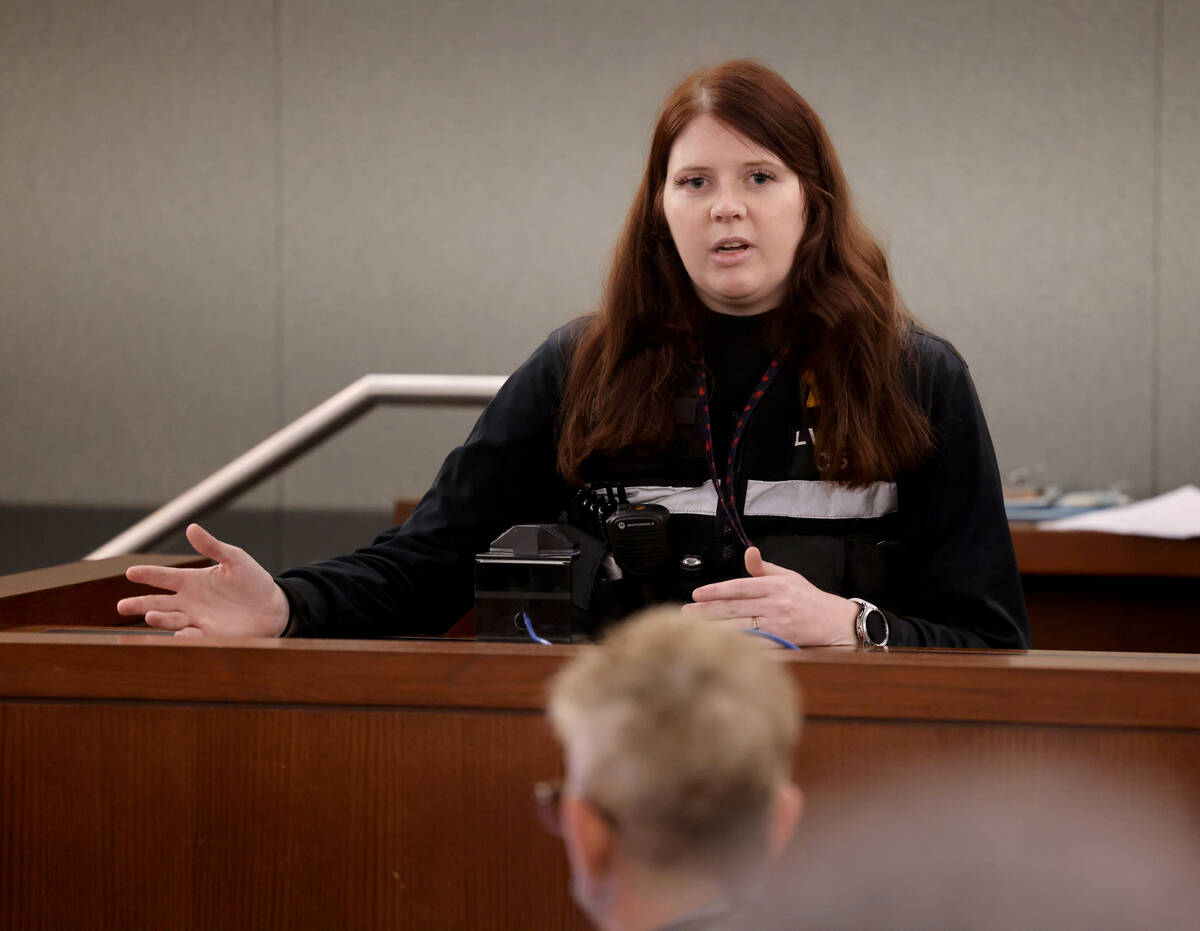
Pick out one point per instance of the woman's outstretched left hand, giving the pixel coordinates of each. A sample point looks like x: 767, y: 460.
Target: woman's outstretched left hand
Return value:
x: 782, y: 601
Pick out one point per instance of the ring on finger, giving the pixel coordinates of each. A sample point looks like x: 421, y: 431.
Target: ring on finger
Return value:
x: 754, y: 625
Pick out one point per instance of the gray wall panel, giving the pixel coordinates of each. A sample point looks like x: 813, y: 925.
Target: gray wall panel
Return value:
x: 136, y: 245
x: 1179, y: 321
x: 451, y: 179
x: 1004, y: 153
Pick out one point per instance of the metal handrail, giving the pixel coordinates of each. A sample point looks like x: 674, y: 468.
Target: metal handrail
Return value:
x: 301, y: 435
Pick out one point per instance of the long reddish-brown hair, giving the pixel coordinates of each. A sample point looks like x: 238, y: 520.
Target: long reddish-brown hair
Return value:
x: 842, y: 320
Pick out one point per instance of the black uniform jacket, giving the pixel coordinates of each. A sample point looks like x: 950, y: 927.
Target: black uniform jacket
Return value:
x: 932, y: 549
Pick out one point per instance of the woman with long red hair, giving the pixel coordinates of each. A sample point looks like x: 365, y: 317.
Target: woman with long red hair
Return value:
x: 753, y: 373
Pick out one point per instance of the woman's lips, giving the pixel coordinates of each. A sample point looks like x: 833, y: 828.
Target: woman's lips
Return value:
x: 735, y: 257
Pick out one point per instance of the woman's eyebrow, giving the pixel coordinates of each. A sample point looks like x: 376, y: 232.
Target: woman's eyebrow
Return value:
x: 756, y: 163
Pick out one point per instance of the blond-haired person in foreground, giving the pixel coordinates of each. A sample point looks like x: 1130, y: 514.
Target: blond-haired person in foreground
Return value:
x: 679, y: 738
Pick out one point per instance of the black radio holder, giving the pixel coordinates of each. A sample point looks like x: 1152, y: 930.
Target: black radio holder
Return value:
x: 544, y: 571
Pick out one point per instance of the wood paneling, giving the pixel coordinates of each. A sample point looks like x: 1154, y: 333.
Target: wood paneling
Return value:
x: 1105, y: 591
x: 838, y: 753
x: 1079, y: 552
x: 1135, y: 690
x: 154, y: 783
x: 217, y: 817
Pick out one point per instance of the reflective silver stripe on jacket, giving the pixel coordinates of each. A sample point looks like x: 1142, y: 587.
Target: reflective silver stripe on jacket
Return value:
x: 701, y: 500
x: 819, y: 500
x: 806, y: 500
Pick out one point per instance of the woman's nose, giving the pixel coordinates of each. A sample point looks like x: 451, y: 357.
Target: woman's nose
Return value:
x: 728, y: 207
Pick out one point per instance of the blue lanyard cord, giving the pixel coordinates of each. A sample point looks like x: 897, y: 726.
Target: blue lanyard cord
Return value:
x: 532, y: 633
x: 774, y: 638
x: 727, y: 492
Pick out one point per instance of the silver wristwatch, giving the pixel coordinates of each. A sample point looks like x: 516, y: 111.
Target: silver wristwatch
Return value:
x: 870, y: 626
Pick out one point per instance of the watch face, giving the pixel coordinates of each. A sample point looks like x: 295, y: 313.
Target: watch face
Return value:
x: 877, y: 627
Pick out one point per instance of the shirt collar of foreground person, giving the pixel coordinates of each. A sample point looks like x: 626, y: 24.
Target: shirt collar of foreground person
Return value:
x: 678, y: 739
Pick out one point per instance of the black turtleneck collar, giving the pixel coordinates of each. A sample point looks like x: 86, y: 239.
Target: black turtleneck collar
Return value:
x: 743, y: 331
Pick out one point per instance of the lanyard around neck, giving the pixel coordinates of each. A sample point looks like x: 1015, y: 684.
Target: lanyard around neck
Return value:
x: 727, y: 490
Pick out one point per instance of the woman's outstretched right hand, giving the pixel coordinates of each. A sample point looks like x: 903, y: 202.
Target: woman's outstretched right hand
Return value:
x: 235, y: 598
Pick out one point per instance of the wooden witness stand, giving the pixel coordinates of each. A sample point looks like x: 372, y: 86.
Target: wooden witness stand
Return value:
x: 150, y: 782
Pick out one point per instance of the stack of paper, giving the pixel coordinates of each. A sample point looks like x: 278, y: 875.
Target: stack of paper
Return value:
x: 1175, y: 516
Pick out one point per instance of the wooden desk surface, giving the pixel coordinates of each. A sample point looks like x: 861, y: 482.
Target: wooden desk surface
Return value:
x: 1085, y: 553
x: 84, y: 592
x: 147, y: 781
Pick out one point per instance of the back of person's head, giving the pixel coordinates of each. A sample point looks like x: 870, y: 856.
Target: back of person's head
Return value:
x: 681, y: 735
